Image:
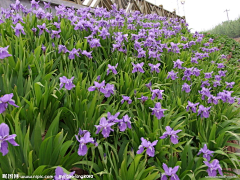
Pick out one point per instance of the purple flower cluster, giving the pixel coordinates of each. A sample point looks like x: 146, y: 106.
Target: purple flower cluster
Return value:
x: 106, y: 90
x: 105, y: 125
x: 202, y: 111
x: 212, y: 167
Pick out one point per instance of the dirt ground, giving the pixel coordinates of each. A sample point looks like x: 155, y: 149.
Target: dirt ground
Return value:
x: 237, y: 39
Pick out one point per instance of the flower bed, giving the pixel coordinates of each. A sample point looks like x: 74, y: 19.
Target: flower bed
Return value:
x: 117, y: 95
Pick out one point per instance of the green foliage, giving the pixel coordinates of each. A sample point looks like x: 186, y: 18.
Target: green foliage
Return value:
x: 228, y: 28
x: 48, y: 118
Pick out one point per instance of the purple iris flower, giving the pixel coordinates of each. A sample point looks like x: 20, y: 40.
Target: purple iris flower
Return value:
x: 138, y: 67
x: 57, y: 25
x: 171, y: 172
x: 238, y: 101
x: 124, y: 123
x: 82, y: 150
x: 17, y: 18
x: 55, y: 34
x: 223, y: 56
x: 98, y: 78
x: 40, y: 13
x: 41, y: 28
x: 98, y: 86
x: 17, y: 6
x: 172, y: 75
x: 95, y: 43
x: 152, y: 54
x: 208, y: 75
x: 18, y: 29
x: 143, y: 98
x: 43, y: 48
x: 213, y: 99
x: 82, y: 132
x: 194, y: 60
x: 218, y: 78
x: 126, y: 98
x: 188, y: 72
x: 68, y: 83
x: 213, y: 167
x: 183, y: 38
x: 149, y: 85
x: 147, y: 144
x: 204, y: 111
x: 104, y: 33
x: 186, y: 77
x: 4, y: 52
x: 205, y: 83
x: 47, y: 5
x: 34, y: 4
x: 112, y: 68
x: 5, y: 100
x: 222, y: 73
x: 210, y: 40
x: 220, y: 65
x: 192, y: 106
x: 206, y: 152
x: 230, y: 85
x: 178, y: 64
x: 186, y: 87
x: 49, y: 16
x: 205, y: 92
x: 172, y: 133
x: 158, y: 111
x: 105, y: 126
x: 196, y: 71
x: 88, y: 54
x: 72, y: 53
x: 62, y: 48
x: 113, y: 118
x: 61, y: 175
x: 108, y: 90
x: 4, y: 137
x: 216, y: 83
x: 154, y: 67
x: 158, y: 93
x: 34, y: 30
x: 1, y: 21
x: 226, y: 96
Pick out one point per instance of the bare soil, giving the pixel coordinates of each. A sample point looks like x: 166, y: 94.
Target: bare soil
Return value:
x: 237, y: 39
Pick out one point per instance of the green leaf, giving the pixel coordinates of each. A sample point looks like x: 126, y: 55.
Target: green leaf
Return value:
x: 53, y: 129
x: 152, y: 176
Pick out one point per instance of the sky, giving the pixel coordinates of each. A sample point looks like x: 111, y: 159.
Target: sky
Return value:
x: 203, y: 14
